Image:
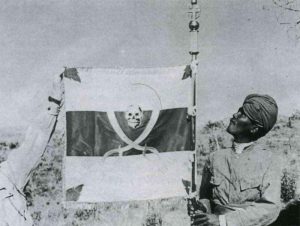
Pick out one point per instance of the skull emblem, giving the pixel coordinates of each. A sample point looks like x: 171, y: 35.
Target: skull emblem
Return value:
x: 134, y: 116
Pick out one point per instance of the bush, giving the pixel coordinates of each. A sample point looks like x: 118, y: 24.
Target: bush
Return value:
x: 13, y: 145
x: 153, y: 219
x: 214, y: 125
x: 288, y: 185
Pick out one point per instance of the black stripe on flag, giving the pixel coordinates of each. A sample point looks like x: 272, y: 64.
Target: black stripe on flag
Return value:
x: 89, y: 133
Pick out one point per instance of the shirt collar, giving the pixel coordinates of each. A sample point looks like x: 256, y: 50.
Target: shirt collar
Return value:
x: 240, y: 147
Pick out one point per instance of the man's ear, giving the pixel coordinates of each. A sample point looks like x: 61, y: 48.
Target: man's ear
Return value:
x: 254, y: 129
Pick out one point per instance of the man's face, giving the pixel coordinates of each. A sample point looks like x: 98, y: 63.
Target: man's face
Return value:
x: 240, y: 125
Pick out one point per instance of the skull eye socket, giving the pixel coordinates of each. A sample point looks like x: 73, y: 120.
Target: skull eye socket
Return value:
x: 137, y: 114
x: 130, y: 114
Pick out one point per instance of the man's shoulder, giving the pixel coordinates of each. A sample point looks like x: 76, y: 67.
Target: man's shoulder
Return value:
x: 220, y: 154
x: 261, y: 151
x: 257, y: 149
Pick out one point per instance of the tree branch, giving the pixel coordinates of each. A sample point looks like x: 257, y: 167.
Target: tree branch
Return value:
x: 286, y: 6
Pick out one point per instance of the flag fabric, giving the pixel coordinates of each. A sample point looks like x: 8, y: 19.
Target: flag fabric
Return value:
x: 128, y: 134
x: 91, y: 134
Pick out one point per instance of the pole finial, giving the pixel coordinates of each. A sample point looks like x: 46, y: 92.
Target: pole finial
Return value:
x: 194, y: 28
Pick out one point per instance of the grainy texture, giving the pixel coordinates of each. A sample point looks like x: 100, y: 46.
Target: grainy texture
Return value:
x: 44, y: 190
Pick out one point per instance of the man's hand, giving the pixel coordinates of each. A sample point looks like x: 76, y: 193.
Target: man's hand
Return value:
x: 205, y: 219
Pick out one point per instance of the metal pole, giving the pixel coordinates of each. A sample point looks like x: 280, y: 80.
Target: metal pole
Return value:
x: 194, y: 51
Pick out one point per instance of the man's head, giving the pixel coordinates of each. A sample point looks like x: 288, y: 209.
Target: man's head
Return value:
x: 254, y: 119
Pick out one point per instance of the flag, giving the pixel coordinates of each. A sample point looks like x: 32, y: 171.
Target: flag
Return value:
x: 139, y: 114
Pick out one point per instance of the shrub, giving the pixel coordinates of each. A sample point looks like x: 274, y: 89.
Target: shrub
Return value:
x: 13, y: 145
x: 288, y: 185
x: 153, y: 219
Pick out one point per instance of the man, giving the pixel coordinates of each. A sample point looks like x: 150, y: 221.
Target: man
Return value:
x: 16, y: 170
x: 241, y: 185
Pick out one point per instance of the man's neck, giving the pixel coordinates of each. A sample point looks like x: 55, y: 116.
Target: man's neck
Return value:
x: 242, y: 139
x: 240, y: 147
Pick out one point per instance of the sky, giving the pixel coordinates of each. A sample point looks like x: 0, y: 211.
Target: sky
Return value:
x: 245, y: 47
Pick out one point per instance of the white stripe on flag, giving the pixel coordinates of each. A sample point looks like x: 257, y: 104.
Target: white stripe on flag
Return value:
x: 116, y: 89
x: 129, y: 178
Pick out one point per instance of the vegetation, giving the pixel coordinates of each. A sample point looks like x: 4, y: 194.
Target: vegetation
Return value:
x: 8, y: 145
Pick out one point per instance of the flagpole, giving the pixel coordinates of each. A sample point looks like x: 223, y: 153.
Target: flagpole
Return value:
x: 194, y: 51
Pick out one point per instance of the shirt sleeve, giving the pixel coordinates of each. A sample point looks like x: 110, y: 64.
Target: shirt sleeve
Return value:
x: 266, y: 209
x: 22, y: 160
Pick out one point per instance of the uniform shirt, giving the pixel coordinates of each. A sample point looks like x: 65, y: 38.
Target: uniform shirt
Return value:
x: 14, y: 174
x: 244, y: 187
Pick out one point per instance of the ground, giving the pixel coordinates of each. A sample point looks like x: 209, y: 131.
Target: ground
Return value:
x: 44, y: 190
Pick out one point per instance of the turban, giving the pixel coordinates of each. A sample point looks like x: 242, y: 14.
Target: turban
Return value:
x: 262, y: 109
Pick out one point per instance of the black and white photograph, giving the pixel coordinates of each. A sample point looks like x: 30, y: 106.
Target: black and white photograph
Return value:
x: 150, y: 113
